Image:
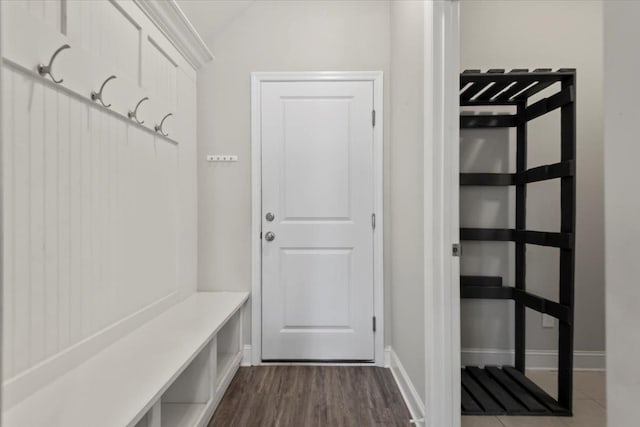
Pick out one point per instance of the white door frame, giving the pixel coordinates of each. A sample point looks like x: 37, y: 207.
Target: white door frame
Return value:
x: 256, y: 197
x: 441, y: 213
x: 1, y: 224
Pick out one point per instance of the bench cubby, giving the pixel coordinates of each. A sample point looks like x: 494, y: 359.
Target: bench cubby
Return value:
x: 228, y: 347
x: 185, y: 402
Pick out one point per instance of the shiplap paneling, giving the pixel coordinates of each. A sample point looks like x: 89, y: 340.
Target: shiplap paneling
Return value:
x: 7, y: 218
x: 50, y: 274
x: 77, y: 112
x: 101, y: 214
x: 64, y: 239
x: 50, y: 12
x: 108, y: 31
x: 159, y: 76
x: 91, y: 206
x: 20, y: 256
x: 33, y: 119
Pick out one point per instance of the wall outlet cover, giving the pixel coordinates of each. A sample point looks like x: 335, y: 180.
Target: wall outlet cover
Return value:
x: 548, y: 321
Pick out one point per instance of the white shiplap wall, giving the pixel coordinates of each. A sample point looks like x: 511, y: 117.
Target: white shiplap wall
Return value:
x: 99, y: 214
x: 90, y: 219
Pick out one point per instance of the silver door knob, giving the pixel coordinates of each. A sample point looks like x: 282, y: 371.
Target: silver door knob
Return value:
x: 269, y: 236
x: 269, y: 216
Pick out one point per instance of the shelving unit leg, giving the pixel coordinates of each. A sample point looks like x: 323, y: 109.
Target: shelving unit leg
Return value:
x: 567, y: 256
x: 521, y: 248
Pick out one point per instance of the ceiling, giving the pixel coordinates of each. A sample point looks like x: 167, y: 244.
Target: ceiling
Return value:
x: 209, y: 17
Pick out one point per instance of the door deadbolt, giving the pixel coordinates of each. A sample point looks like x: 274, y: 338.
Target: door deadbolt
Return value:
x: 269, y: 216
x: 269, y: 236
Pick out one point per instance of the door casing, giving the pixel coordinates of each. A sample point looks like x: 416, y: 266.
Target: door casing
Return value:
x: 257, y: 78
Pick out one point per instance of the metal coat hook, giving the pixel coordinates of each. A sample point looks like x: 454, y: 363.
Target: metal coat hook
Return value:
x: 97, y: 96
x: 46, y: 69
x: 134, y: 114
x: 158, y: 128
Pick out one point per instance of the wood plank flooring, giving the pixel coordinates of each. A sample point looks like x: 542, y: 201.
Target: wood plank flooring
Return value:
x: 308, y: 396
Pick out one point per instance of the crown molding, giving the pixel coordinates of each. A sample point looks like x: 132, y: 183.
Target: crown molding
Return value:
x: 171, y: 20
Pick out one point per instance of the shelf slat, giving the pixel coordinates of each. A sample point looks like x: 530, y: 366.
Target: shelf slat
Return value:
x: 515, y: 389
x: 529, y: 300
x: 488, y: 179
x: 540, y: 238
x: 486, y: 292
x: 533, y: 389
x: 481, y: 281
x: 537, y: 174
x: 501, y: 395
x: 486, y: 402
x: 505, y: 391
x: 487, y: 121
x: 546, y: 105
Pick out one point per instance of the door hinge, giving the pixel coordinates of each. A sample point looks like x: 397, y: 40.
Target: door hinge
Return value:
x: 261, y: 235
x: 373, y: 118
x: 455, y: 249
x: 374, y: 323
x: 373, y: 221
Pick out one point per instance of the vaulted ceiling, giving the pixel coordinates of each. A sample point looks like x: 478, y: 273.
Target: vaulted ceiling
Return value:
x: 209, y: 17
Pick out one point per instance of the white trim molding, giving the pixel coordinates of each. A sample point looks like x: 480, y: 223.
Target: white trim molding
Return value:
x: 246, y: 355
x: 1, y: 229
x: 407, y: 389
x: 536, y: 359
x: 257, y: 78
x: 171, y: 20
x: 441, y: 214
x: 387, y: 356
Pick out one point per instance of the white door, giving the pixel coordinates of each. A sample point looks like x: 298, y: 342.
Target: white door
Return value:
x: 317, y: 206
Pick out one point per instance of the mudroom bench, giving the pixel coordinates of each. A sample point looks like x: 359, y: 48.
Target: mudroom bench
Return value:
x: 170, y: 372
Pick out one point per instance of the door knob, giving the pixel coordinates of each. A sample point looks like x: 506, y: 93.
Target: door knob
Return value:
x: 269, y: 216
x: 269, y: 236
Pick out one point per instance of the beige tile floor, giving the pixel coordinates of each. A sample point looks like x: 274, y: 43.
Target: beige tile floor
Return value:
x: 589, y: 407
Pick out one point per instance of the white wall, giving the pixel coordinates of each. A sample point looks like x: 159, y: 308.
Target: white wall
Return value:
x: 536, y: 34
x: 622, y: 210
x: 269, y: 36
x: 407, y: 190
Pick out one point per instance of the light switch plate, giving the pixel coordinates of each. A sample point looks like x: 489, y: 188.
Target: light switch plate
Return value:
x: 222, y: 158
x: 548, y: 321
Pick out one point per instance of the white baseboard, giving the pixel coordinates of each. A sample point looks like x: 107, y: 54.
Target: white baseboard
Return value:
x: 246, y: 356
x: 407, y: 389
x: 535, y: 359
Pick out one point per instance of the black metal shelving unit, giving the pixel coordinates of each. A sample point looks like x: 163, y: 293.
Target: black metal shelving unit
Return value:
x: 506, y: 390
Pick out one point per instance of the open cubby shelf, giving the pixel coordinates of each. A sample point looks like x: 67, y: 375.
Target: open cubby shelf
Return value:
x: 193, y: 395
x: 228, y: 348
x: 506, y: 390
x: 182, y: 414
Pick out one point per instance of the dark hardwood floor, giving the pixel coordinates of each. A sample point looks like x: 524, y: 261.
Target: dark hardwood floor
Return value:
x: 308, y: 396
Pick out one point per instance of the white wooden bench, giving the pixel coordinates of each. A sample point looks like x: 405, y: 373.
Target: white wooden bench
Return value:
x: 170, y: 372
